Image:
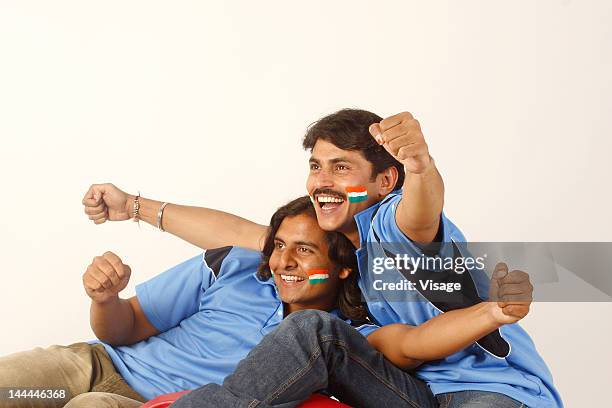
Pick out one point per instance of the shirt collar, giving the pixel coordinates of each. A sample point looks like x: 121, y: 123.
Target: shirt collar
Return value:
x: 269, y: 281
x: 364, y: 218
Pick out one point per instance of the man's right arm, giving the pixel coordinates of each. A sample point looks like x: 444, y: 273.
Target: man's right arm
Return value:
x: 120, y: 322
x: 203, y: 227
x: 114, y: 321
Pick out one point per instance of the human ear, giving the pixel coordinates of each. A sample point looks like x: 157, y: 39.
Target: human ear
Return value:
x: 387, y: 180
x: 344, y: 273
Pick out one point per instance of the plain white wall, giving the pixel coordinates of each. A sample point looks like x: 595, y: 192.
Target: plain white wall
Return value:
x: 205, y: 103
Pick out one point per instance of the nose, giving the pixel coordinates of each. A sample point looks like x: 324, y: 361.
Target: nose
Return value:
x: 287, y: 261
x: 324, y: 179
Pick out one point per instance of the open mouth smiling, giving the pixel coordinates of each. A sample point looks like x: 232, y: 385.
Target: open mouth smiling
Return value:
x: 329, y: 202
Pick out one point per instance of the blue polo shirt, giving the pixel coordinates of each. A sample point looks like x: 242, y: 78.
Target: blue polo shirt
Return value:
x: 211, y: 310
x: 505, y: 362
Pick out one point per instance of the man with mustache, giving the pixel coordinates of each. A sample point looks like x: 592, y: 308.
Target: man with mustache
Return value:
x: 358, y: 163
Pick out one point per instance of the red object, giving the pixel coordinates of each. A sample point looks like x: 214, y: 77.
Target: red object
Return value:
x: 163, y: 401
x: 315, y: 401
x: 321, y: 401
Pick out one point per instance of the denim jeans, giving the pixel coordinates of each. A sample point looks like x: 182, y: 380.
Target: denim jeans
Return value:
x: 312, y: 351
x: 477, y: 399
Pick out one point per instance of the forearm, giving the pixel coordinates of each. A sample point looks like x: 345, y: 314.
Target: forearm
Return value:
x: 386, y: 340
x: 449, y: 332
x: 418, y: 213
x: 203, y: 227
x: 112, y: 321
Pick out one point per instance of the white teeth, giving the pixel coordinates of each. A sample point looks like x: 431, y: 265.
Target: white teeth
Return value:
x: 328, y: 199
x: 291, y: 278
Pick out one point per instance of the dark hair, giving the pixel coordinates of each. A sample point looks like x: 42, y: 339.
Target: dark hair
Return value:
x: 340, y: 251
x: 348, y: 129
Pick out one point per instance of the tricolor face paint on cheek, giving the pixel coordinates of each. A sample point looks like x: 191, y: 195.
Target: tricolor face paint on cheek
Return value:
x: 356, y: 194
x: 318, y: 276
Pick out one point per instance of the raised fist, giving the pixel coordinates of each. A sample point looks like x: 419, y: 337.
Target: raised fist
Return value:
x: 106, y: 202
x: 401, y: 136
x: 510, y: 294
x: 106, y: 277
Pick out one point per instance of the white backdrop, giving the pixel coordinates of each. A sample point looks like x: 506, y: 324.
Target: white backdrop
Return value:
x: 205, y: 104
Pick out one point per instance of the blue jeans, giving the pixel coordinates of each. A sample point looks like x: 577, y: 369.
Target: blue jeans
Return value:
x: 312, y: 351
x: 477, y: 399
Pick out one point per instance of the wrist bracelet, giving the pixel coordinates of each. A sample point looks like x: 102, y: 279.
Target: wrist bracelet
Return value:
x: 136, y: 211
x: 160, y: 214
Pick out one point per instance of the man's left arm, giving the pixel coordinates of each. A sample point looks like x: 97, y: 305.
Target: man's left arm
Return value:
x: 510, y: 297
x: 418, y: 212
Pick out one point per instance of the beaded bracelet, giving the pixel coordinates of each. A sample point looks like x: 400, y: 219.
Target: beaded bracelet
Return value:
x: 136, y: 212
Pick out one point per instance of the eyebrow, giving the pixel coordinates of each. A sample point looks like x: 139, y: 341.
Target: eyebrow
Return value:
x: 304, y: 243
x: 334, y: 160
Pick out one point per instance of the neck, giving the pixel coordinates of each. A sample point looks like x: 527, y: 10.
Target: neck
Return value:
x: 352, y: 233
x: 289, y: 308
x: 353, y: 236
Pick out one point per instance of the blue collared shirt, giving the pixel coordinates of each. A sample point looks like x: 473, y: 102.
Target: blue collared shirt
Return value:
x: 512, y: 366
x: 211, y: 310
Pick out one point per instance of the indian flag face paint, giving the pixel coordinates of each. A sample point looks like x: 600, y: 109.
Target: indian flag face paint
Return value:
x: 357, y: 194
x: 318, y: 276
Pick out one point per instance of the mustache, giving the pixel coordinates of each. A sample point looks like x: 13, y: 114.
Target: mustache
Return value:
x: 328, y: 191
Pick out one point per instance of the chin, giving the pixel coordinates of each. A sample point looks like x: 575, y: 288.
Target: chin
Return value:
x: 327, y: 223
x: 288, y: 299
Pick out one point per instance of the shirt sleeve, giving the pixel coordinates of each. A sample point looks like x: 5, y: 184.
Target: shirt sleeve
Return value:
x: 386, y: 229
x: 174, y: 295
x: 367, y: 329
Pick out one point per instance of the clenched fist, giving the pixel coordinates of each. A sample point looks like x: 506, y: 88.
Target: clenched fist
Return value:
x: 510, y: 294
x: 401, y: 136
x: 106, y: 277
x: 106, y: 202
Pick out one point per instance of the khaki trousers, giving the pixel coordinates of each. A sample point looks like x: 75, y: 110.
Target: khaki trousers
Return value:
x: 74, y: 376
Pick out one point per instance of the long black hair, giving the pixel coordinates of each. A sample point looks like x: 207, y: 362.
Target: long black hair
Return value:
x: 340, y: 251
